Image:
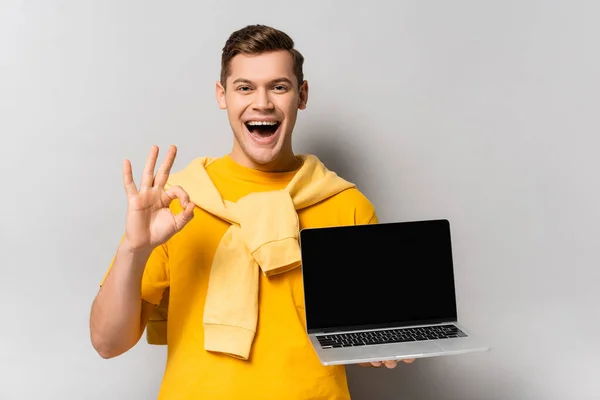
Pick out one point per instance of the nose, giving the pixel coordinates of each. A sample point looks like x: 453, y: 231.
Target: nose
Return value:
x: 262, y: 101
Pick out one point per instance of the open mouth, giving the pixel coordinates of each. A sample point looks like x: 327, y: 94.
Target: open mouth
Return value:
x: 262, y: 129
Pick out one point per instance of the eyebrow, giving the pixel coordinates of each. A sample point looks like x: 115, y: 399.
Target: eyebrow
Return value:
x: 282, y: 79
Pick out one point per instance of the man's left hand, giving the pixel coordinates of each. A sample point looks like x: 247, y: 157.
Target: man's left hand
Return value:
x: 388, y: 364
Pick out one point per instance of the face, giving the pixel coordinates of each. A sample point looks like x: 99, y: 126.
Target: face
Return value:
x: 262, y: 98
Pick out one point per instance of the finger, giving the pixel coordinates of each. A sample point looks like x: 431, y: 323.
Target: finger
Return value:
x: 376, y: 364
x: 187, y: 213
x: 408, y: 360
x: 391, y: 364
x: 128, y: 182
x: 177, y: 192
x: 148, y: 175
x: 184, y: 216
x: 163, y: 172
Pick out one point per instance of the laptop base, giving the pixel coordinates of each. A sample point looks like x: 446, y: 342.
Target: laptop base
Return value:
x: 351, y: 354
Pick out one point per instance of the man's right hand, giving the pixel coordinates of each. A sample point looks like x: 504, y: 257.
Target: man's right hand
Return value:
x: 149, y: 221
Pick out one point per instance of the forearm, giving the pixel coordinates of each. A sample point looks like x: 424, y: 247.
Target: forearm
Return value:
x: 116, y: 316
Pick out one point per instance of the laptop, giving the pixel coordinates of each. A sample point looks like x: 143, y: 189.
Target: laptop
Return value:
x: 382, y: 292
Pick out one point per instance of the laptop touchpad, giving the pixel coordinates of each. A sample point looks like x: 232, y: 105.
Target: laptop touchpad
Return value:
x: 402, y: 350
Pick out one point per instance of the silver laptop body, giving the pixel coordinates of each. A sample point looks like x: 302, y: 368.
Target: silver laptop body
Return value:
x: 382, y: 292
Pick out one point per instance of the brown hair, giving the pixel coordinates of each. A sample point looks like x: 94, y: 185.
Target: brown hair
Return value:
x: 255, y: 40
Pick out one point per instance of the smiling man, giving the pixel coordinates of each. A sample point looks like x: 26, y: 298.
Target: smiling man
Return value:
x: 209, y: 263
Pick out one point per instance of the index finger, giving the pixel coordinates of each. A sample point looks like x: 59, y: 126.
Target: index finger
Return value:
x: 162, y: 175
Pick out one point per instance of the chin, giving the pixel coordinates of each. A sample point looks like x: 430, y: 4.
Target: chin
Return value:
x: 263, y: 156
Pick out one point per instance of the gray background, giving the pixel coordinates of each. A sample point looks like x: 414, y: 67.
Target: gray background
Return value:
x: 485, y: 113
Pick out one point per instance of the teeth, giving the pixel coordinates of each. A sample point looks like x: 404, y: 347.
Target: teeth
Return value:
x: 257, y: 123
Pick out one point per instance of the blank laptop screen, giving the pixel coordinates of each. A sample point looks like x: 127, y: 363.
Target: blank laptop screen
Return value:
x: 375, y: 275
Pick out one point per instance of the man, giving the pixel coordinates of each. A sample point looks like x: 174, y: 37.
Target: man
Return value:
x: 224, y: 254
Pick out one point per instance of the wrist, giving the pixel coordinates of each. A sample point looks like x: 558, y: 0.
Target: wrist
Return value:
x: 137, y: 252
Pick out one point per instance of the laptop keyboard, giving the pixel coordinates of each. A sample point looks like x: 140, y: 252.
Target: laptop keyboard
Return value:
x: 390, y: 336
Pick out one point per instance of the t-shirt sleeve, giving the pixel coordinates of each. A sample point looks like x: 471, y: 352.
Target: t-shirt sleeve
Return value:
x: 156, y: 275
x: 365, y: 212
x: 373, y: 219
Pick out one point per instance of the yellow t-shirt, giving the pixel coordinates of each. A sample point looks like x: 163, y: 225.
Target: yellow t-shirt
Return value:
x: 282, y: 363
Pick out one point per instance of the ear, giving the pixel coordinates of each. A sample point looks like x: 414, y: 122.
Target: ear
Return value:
x: 303, y: 96
x: 220, y: 93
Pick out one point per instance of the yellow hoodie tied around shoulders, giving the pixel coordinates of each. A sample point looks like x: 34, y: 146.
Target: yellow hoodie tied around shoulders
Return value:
x: 263, y: 234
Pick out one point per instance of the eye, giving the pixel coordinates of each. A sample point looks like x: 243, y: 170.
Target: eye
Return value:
x: 243, y: 88
x: 280, y: 88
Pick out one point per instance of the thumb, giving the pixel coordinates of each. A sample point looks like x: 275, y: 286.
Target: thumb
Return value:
x: 185, y: 216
